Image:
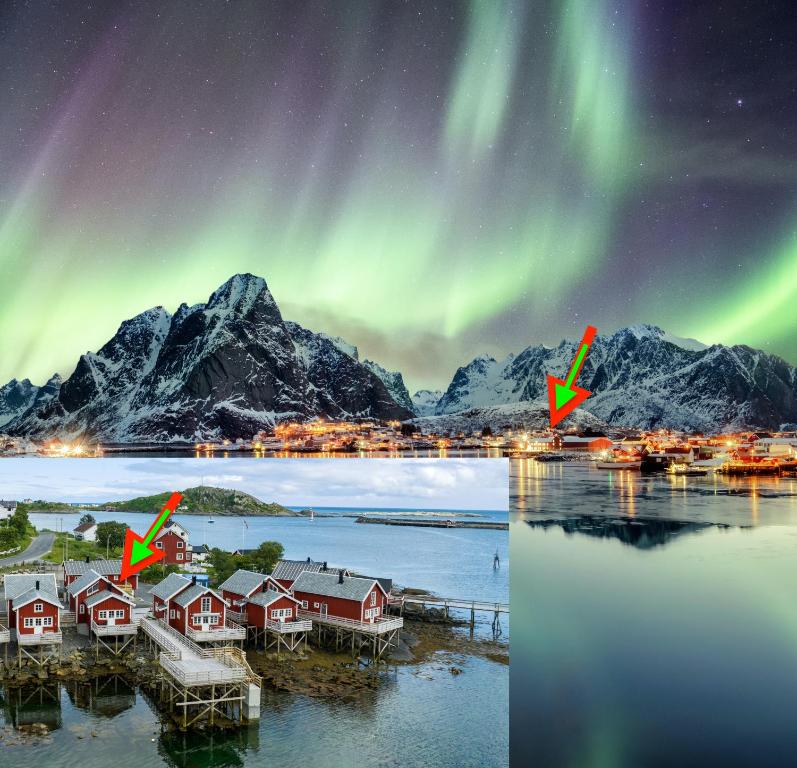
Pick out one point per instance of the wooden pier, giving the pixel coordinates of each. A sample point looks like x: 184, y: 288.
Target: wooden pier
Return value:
x: 376, y: 637
x: 202, y: 683
x: 447, y: 603
x: 114, y: 637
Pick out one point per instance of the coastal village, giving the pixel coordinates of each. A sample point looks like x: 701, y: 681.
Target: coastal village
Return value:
x: 198, y: 634
x: 745, y: 452
x: 363, y: 438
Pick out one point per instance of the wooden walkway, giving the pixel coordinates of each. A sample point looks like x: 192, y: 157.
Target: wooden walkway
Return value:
x: 189, y: 664
x: 452, y: 602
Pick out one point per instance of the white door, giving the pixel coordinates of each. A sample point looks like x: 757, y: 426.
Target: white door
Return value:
x: 323, y: 609
x: 111, y: 619
x: 37, y: 626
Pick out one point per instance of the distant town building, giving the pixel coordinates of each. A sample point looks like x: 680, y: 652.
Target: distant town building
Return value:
x: 7, y: 508
x: 86, y: 532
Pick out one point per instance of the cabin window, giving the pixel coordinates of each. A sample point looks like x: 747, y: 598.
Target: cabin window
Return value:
x: 48, y: 621
x: 38, y: 608
x: 28, y: 623
x: 180, y: 545
x: 179, y: 555
x: 159, y: 544
x: 120, y: 614
x: 304, y: 604
x: 205, y: 605
x: 171, y: 613
x: 103, y: 615
x: 315, y: 605
x: 92, y: 589
x: 82, y: 607
x: 373, y: 598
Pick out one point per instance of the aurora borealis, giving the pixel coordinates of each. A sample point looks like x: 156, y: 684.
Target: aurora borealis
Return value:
x: 427, y: 180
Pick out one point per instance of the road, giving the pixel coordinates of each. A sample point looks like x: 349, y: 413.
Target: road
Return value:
x: 38, y: 548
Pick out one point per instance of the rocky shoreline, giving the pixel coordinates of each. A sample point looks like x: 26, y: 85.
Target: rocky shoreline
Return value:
x: 317, y: 673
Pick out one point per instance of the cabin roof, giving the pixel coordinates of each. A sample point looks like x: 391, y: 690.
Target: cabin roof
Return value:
x: 290, y: 569
x: 86, y: 580
x: 268, y: 597
x: 35, y: 594
x: 170, y: 586
x: 83, y: 527
x: 328, y: 584
x: 242, y: 582
x: 17, y: 584
x: 188, y: 596
x: 103, y: 567
x: 99, y: 597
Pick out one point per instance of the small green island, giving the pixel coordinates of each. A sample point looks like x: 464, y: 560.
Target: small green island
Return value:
x: 201, y: 500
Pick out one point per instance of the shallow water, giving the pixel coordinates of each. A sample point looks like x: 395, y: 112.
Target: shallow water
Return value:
x: 656, y: 637
x: 420, y: 716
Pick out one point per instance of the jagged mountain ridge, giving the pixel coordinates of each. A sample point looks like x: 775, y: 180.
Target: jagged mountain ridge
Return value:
x: 229, y: 367
x: 641, y: 377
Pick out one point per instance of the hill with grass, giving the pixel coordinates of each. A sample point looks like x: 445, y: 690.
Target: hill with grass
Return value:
x: 205, y: 500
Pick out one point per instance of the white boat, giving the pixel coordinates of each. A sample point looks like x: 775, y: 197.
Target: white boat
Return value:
x: 686, y: 470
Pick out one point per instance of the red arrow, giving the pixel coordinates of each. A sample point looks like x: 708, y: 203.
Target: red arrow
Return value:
x: 138, y: 551
x: 564, y: 396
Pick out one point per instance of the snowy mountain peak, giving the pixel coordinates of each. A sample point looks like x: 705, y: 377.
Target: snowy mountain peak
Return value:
x: 240, y: 293
x: 642, y: 377
x: 228, y: 368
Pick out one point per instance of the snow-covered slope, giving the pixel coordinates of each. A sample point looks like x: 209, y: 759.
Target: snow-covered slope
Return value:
x: 641, y: 377
x: 227, y: 368
x: 424, y: 401
x: 15, y: 398
x: 533, y: 416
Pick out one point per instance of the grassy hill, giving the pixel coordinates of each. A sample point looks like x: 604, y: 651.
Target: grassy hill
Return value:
x: 205, y: 500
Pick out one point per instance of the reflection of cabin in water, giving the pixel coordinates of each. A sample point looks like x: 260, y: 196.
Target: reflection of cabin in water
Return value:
x: 106, y: 696
x: 214, y: 747
x: 30, y: 704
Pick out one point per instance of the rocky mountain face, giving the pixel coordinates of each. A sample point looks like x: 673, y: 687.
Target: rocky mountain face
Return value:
x: 15, y: 398
x: 227, y: 368
x: 394, y: 382
x: 642, y: 377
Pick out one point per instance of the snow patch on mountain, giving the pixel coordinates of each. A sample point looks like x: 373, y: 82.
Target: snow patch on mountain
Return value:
x: 424, y: 401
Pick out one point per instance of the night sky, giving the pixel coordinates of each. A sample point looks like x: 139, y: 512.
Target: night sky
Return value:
x: 429, y: 180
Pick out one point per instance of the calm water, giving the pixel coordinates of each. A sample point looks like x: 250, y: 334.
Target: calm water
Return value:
x: 653, y: 638
x: 419, y: 717
x: 448, y: 562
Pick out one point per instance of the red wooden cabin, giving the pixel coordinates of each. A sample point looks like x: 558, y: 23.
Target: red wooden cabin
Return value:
x: 109, y: 607
x: 286, y: 571
x: 85, y: 587
x: 112, y: 569
x: 184, y: 604
x: 32, y: 603
x: 243, y: 583
x: 345, y: 597
x: 174, y: 541
x: 271, y: 605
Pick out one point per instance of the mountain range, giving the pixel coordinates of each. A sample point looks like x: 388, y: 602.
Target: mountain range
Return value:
x: 233, y: 366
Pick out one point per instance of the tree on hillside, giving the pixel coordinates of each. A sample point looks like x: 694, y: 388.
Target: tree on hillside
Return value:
x: 111, y: 534
x: 87, y: 518
x: 265, y: 557
x: 19, y: 522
